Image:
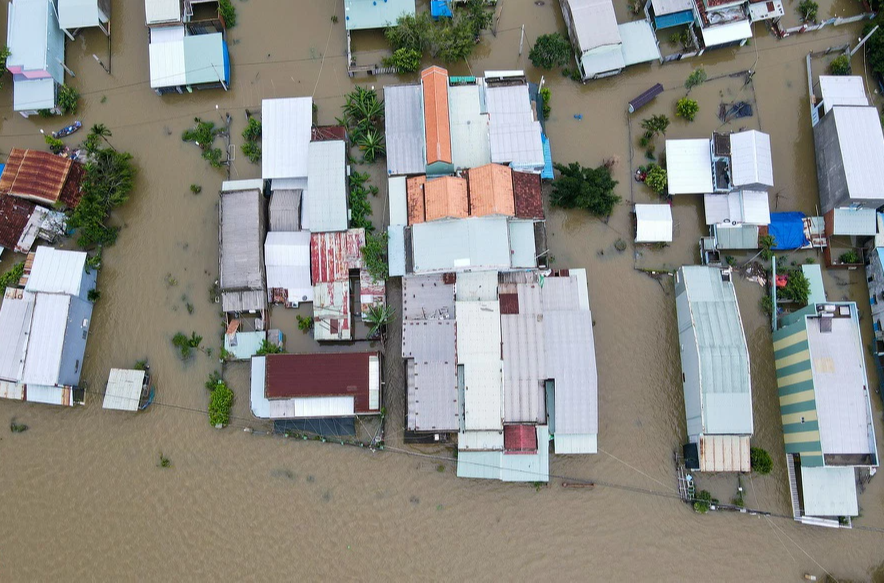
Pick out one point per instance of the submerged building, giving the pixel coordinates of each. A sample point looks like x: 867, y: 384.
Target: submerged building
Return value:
x: 36, y: 59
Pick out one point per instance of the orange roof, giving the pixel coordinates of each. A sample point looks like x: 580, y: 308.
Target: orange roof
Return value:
x: 436, y: 123
x: 39, y: 176
x: 446, y: 198
x: 415, y: 188
x: 491, y: 191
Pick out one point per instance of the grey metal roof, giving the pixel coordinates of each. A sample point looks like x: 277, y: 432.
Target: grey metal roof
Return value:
x: 515, y: 133
x: 396, y: 250
x: 470, y: 128
x: 478, y: 351
x: 15, y: 323
x: 736, y: 237
x: 726, y: 396
x: 285, y: 137
x: 433, y: 403
x: 594, y: 23
x: 751, y: 162
x: 524, y: 357
x: 862, y: 149
x: 468, y: 243
x: 522, y: 244
x: 285, y: 208
x: 46, y: 339
x: 123, y: 389
x: 57, y: 271
x: 242, y: 251
x: 855, y: 221
x: 426, y: 297
x: 325, y: 202
x: 663, y: 7
x: 476, y: 286
x: 404, y: 131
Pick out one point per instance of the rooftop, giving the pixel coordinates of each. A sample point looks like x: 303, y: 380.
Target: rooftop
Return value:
x: 491, y: 191
x: 15, y: 214
x: 325, y: 375
x: 653, y: 223
x: 285, y: 137
x: 404, y: 130
x: 527, y: 194
x: 481, y: 242
x: 751, y: 162
x: 689, y: 166
x: 57, y: 271
x: 861, y: 142
x: 16, y: 313
x: 287, y: 259
x: 368, y: 14
x: 737, y: 207
x: 842, y: 90
x: 446, y: 198
x: 123, y: 390
x: 594, y: 23
x: 471, y: 146
x: 162, y: 11
x: 325, y: 202
x: 73, y: 14
x: 333, y: 255
x: 242, y: 251
x: 41, y: 177
x: 436, y: 122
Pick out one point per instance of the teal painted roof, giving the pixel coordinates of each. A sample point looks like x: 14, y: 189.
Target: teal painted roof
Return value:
x: 204, y: 58
x: 367, y: 14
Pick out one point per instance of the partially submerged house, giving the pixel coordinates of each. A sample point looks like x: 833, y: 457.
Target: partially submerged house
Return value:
x: 285, y: 141
x: 287, y: 263
x: 324, y: 203
x: 317, y: 393
x: 715, y: 371
x: 185, y: 53
x: 44, y: 327
x: 370, y: 14
x: 76, y: 14
x: 604, y: 48
x: 653, y: 223
x: 242, y: 277
x: 36, y: 60
x: 42, y: 178
x: 826, y: 410
x: 22, y: 223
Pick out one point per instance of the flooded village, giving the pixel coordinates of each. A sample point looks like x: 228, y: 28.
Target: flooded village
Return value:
x: 273, y: 308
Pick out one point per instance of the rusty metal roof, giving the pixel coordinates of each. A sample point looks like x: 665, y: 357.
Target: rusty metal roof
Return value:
x: 14, y: 216
x: 328, y: 133
x: 527, y: 195
x: 320, y: 375
x: 41, y: 177
x: 436, y: 122
x: 416, y: 205
x: 519, y: 439
x: 446, y: 198
x: 333, y: 255
x: 491, y: 191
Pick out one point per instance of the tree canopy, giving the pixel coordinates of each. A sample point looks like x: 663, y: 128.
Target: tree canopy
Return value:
x: 591, y: 189
x: 448, y: 40
x: 110, y: 177
x: 550, y: 51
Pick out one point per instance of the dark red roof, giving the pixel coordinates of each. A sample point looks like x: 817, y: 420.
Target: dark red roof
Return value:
x: 41, y: 177
x: 509, y: 303
x: 14, y: 215
x: 320, y: 375
x: 526, y: 191
x: 328, y: 133
x: 519, y: 439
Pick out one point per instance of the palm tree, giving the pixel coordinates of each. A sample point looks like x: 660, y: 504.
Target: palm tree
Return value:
x: 378, y: 317
x: 103, y: 132
x: 371, y: 142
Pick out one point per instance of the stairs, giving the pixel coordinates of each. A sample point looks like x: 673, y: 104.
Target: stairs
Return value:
x: 793, y: 486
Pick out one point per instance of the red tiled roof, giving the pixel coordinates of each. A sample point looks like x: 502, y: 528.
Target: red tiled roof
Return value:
x: 319, y: 375
x: 446, y: 198
x: 491, y: 190
x: 333, y: 255
x: 436, y: 123
x: 519, y: 439
x: 14, y: 215
x: 41, y: 177
x: 417, y: 212
x: 527, y: 195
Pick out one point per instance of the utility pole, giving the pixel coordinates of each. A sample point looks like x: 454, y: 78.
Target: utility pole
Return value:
x: 863, y: 40
x: 522, y: 40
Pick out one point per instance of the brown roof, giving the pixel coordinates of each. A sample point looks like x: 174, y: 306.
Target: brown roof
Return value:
x: 491, y: 191
x: 40, y: 176
x: 319, y: 375
x: 436, y: 122
x: 519, y: 439
x: 415, y: 193
x: 334, y: 254
x: 446, y: 198
x: 328, y: 133
x: 526, y: 192
x: 14, y: 216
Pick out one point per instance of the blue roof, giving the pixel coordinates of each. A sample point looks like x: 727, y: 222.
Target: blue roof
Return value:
x: 547, y: 172
x: 674, y: 19
x: 787, y: 229
x: 440, y: 9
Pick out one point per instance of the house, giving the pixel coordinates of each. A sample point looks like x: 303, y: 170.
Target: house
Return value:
x: 44, y: 327
x: 715, y: 370
x: 36, y: 59
x: 285, y: 141
x: 321, y: 393
x: 76, y: 14
x: 689, y: 166
x: 437, y: 129
x: 670, y: 13
x: 826, y: 410
x: 43, y: 178
x: 22, y: 223
x: 185, y: 53
x: 604, y: 48
x: 324, y: 205
x: 403, y: 124
x: 653, y: 223
x: 242, y: 277
x: 287, y: 264
x: 369, y: 14
x: 516, y: 136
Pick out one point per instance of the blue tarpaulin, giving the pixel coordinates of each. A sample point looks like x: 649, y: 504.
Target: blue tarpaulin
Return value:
x: 440, y: 9
x: 787, y: 229
x: 547, y: 173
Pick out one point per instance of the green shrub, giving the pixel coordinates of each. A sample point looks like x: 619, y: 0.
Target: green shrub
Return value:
x: 405, y: 60
x: 766, y: 243
x: 797, y: 287
x: 196, y: 188
x: 220, y: 404
x: 93, y: 296
x: 55, y: 145
x: 185, y: 345
x: 305, y: 324
x: 687, y: 108
x: 4, y: 55
x: 704, y: 501
x: 109, y: 178
x: 252, y: 133
x: 12, y: 277
x: 760, y: 460
x: 374, y: 256
x: 68, y: 99
x: 546, y: 97
x: 550, y: 51
x: 767, y: 306
x: 808, y: 10
x: 251, y: 151
x: 655, y: 125
x: 164, y: 462
x: 697, y: 77
x: 227, y: 12
x: 850, y: 256
x: 268, y: 347
x: 840, y: 65
x: 656, y: 178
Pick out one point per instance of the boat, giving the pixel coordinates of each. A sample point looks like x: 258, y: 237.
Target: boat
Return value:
x: 64, y: 132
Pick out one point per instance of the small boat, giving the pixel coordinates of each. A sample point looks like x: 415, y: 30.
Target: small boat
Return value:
x: 64, y: 132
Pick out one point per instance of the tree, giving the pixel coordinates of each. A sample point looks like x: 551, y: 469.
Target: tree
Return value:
x: 253, y: 130
x: 656, y: 178
x: 220, y: 403
x: 378, y: 317
x: 374, y: 256
x: 760, y: 460
x: 697, y: 77
x: 405, y: 60
x: 449, y: 40
x: 687, y: 108
x: 227, y: 12
x: 808, y: 10
x: 4, y: 54
x: 12, y: 277
x: 655, y: 125
x: 68, y: 99
x: 840, y: 65
x: 797, y: 287
x: 268, y: 347
x: 550, y: 51
x: 875, y: 45
x: 766, y: 242
x: 100, y: 130
x: 109, y: 178
x: 591, y: 189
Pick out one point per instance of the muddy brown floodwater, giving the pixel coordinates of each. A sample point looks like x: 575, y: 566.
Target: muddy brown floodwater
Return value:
x: 83, y: 499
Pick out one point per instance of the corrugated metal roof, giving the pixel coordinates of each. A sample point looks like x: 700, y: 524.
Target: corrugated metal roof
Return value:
x: 427, y: 297
x: 325, y: 374
x: 372, y: 292
x: 433, y: 402
x: 404, y: 130
x: 39, y: 176
x: 123, y: 389
x: 723, y: 34
x: 653, y: 223
x: 478, y: 350
x: 57, y: 271
x: 523, y: 252
x: 736, y: 237
x: 724, y: 453
x: 46, y: 339
x: 74, y: 14
x: 285, y: 208
x: 168, y: 67
x: 491, y: 191
x: 862, y: 148
x: 854, y: 222
x: 497, y: 465
x: 367, y: 14
x: 205, y: 59
x: 159, y: 11
x: 470, y: 141
x: 515, y: 134
x: 325, y: 201
x: 829, y: 491
x: 725, y: 385
x: 527, y: 195
x: 331, y: 311
x: 333, y: 255
x: 475, y: 242
x: 751, y: 162
x: 417, y: 208
x: 28, y: 29
x: 16, y: 313
x: 605, y: 59
x: 689, y: 166
x: 242, y: 251
x: 739, y: 207
x: 520, y: 439
x: 446, y: 198
x: 285, y: 136
x: 15, y: 214
x: 287, y: 258
x: 842, y: 90
x: 524, y: 358
x: 396, y: 190
x: 434, y: 81
x: 396, y: 250
x: 312, y: 407
x: 594, y: 23
x: 571, y: 361
x: 639, y: 42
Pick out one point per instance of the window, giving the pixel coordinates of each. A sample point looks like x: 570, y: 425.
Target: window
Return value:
x: 77, y: 366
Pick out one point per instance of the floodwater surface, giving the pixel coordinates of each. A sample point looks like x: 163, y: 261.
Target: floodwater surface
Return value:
x: 83, y: 498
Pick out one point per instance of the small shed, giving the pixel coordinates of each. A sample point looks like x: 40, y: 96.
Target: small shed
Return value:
x: 689, y: 166
x: 738, y: 207
x: 653, y: 223
x: 124, y: 389
x: 751, y: 162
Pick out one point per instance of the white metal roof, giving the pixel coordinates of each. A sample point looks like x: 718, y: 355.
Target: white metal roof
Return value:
x: 27, y: 33
x: 160, y: 11
x: 722, y: 34
x: 78, y: 13
x: 404, y: 129
x: 285, y: 127
x: 751, y: 162
x: 653, y: 223
x: 311, y: 407
x: 662, y: 7
x: 523, y: 248
x: 398, y: 194
x: 325, y: 201
x: 15, y: 323
x: 287, y: 257
x: 862, y: 150
x: 481, y: 242
x: 476, y: 286
x: 738, y: 207
x: 123, y: 389
x: 842, y: 90
x: 595, y: 23
x: 859, y: 221
x: 689, y: 166
x: 478, y: 350
x: 33, y: 94
x: 167, y: 64
x: 470, y: 128
x: 639, y: 42
x: 515, y: 134
x: 46, y: 339
x: 828, y: 491
x: 600, y: 60
x: 57, y: 271
x: 396, y: 250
